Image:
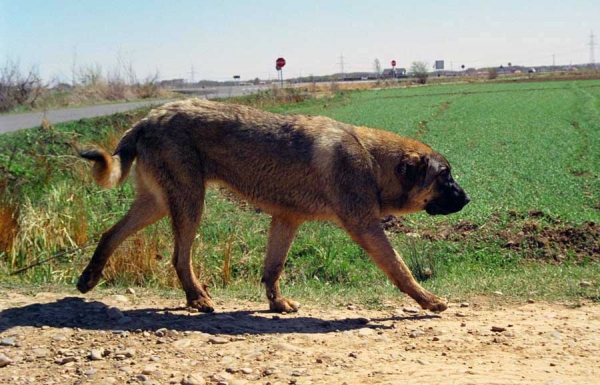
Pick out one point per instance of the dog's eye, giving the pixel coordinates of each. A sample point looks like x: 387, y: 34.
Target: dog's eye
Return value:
x: 444, y: 173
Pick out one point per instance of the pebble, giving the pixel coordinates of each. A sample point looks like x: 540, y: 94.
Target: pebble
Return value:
x: 182, y: 344
x: 422, y: 362
x: 461, y: 314
x: 59, y: 337
x: 530, y: 300
x: 464, y: 304
x: 246, y: 370
x: 218, y: 340
x: 416, y: 333
x: 193, y: 379
x: 96, y: 355
x: 10, y: 341
x: 585, y: 284
x: 114, y: 314
x: 4, y: 360
x: 130, y: 291
x: 39, y: 353
x: 90, y: 372
x: 365, y: 332
x: 498, y: 293
x: 498, y: 329
x: 410, y: 309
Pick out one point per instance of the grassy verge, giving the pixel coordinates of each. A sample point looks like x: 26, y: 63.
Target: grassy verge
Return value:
x: 528, y: 154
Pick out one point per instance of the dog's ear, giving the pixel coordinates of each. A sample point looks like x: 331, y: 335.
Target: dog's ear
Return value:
x: 410, y: 168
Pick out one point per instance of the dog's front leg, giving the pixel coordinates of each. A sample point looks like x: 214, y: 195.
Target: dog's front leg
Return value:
x: 374, y: 241
x: 281, y: 235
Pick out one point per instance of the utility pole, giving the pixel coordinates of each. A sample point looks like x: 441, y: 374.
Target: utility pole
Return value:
x: 192, y: 73
x: 341, y: 63
x: 592, y: 45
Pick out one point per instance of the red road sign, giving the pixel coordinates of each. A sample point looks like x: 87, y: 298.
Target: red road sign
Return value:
x: 393, y: 63
x: 280, y: 62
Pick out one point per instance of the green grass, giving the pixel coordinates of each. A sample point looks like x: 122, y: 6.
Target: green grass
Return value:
x: 528, y: 154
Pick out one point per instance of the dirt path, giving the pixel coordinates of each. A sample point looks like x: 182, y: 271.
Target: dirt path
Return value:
x: 127, y: 339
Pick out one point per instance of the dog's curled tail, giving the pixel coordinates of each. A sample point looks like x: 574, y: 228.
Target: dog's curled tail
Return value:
x: 108, y: 171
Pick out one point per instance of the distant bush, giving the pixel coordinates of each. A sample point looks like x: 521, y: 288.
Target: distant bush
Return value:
x: 419, y: 70
x: 17, y: 89
x: 492, y: 74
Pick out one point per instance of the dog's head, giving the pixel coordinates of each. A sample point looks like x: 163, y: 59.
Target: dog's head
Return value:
x: 431, y: 185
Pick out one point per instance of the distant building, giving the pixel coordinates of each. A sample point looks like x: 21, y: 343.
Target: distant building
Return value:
x: 172, y: 83
x: 394, y: 73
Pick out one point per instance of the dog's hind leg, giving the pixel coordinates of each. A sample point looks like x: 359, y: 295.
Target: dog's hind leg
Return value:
x: 144, y: 211
x: 186, y: 212
x: 281, y: 235
x: 373, y: 240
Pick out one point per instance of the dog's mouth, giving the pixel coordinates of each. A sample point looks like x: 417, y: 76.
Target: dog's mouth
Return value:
x: 435, y: 209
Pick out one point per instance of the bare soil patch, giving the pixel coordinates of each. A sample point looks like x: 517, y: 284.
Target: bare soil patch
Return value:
x: 54, y: 338
x: 533, y: 235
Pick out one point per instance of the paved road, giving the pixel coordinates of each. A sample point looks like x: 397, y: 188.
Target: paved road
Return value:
x: 21, y: 121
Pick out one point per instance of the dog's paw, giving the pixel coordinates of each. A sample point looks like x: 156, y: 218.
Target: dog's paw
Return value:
x: 204, y: 305
x: 438, y: 305
x: 87, y: 281
x: 284, y: 305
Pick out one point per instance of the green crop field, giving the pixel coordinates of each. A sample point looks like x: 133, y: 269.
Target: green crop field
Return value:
x: 527, y: 153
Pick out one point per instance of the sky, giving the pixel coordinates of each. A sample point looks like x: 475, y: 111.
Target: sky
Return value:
x: 223, y: 38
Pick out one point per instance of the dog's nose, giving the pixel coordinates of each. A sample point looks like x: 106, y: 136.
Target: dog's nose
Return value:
x: 467, y: 198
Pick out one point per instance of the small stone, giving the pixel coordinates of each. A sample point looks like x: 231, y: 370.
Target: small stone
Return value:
x: 530, y: 300
x: 556, y: 335
x: 585, y: 284
x: 130, y: 291
x: 182, y: 344
x: 218, y: 340
x: 246, y: 370
x: 142, y: 377
x: 4, y: 360
x: 416, y: 333
x: 412, y: 310
x: 96, y: 355
x: 351, y: 307
x: 353, y: 355
x: 498, y: 293
x: 126, y: 353
x: 39, y: 353
x: 114, y: 314
x: 149, y: 369
x: 461, y: 314
x: 498, y: 329
x: 464, y: 304
x: 90, y: 372
x: 422, y: 362
x: 65, y: 360
x: 59, y: 337
x: 10, y: 341
x: 193, y: 379
x: 161, y: 332
x: 124, y: 320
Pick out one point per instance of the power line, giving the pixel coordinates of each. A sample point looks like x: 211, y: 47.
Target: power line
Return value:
x: 592, y: 45
x: 341, y: 63
x: 192, y: 73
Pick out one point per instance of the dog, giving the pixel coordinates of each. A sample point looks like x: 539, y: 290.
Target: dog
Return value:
x: 296, y: 168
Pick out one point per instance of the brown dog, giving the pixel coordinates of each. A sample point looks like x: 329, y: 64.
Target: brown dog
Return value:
x: 296, y: 168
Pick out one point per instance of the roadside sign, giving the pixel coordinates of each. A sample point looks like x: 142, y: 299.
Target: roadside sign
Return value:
x: 393, y: 63
x: 280, y: 62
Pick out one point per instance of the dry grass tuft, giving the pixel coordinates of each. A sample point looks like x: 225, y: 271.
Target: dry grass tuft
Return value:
x: 9, y: 227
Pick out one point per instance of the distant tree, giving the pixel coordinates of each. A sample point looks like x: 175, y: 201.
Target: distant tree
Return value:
x: 256, y: 81
x: 377, y: 67
x: 419, y: 70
